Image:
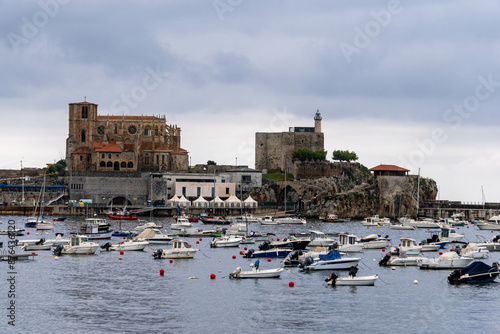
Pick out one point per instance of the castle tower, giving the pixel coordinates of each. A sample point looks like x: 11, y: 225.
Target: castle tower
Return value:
x: 317, y: 122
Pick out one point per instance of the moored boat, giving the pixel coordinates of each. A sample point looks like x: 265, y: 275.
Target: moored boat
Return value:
x: 225, y: 241
x: 128, y: 245
x: 331, y: 261
x: 78, y: 244
x: 180, y: 250
x: 475, y: 272
x: 96, y: 228
x: 256, y: 272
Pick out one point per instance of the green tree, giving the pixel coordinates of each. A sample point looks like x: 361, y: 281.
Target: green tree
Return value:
x: 211, y: 162
x: 344, y: 156
x: 303, y: 154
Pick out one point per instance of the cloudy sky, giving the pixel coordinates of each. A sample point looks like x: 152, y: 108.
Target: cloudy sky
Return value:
x: 410, y: 83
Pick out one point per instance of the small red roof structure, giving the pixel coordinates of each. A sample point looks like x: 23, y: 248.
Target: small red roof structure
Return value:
x: 112, y: 147
x: 389, y: 170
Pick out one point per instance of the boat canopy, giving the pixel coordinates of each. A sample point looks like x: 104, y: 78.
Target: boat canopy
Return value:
x: 147, y: 233
x: 332, y: 255
x: 476, y: 268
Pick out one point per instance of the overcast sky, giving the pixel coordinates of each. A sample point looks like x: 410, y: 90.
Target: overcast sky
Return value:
x: 410, y: 83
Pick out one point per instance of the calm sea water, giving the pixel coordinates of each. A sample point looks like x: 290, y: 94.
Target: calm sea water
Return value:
x: 101, y: 294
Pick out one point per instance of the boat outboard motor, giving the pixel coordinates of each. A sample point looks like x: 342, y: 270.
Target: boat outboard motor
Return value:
x: 495, y: 265
x: 384, y: 260
x: 353, y: 271
x: 265, y: 245
x: 307, y: 262
x: 58, y: 250
x: 106, y: 246
x: 333, y: 277
x: 40, y: 242
x: 158, y: 253
x: 454, y: 276
x: 249, y: 253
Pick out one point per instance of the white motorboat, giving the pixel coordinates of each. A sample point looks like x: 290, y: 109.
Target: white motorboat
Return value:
x: 42, y: 226
x: 450, y: 260
x: 226, y: 241
x: 181, y: 223
x: 319, y: 238
x: 399, y: 259
x: 268, y: 220
x: 154, y: 236
x: 291, y: 220
x: 140, y: 228
x: 78, y: 244
x: 96, y: 228
x: 353, y: 281
x: 376, y: 221
x: 492, y: 244
x: 331, y: 261
x: 180, y: 250
x: 42, y: 243
x: 475, y: 251
x: 348, y: 243
x: 374, y: 241
x: 237, y: 229
x: 16, y: 231
x: 128, y: 245
x: 256, y: 272
x: 247, y: 218
x: 408, y: 246
x: 401, y: 227
x: 492, y: 224
x: 449, y: 234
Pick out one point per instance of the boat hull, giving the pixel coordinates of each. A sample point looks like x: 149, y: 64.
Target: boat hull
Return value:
x: 338, y: 264
x: 355, y: 281
x: 267, y: 273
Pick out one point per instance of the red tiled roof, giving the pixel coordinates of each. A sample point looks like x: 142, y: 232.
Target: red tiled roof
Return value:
x: 392, y: 168
x: 97, y: 144
x: 179, y: 151
x: 82, y: 150
x: 112, y: 147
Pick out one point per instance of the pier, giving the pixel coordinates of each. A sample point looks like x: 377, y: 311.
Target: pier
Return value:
x: 472, y: 211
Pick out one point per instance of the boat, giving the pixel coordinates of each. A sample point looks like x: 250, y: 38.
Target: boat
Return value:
x: 181, y: 223
x: 58, y: 219
x: 492, y: 224
x: 319, y: 238
x: 154, y: 236
x: 296, y: 257
x: 473, y: 250
x: 31, y: 222
x: 332, y: 218
x: 122, y: 215
x: 247, y: 218
x: 140, y: 228
x: 96, y: 228
x: 41, y: 226
x: 256, y: 272
x: 190, y: 218
x: 475, y: 272
x: 348, y: 243
x: 180, y: 250
x: 401, y: 227
x: 215, y: 220
x: 16, y: 231
x: 399, y: 259
x: 268, y: 220
x: 492, y: 244
x: 374, y: 241
x: 30, y: 245
x: 78, y: 244
x: 290, y: 220
x: 351, y: 279
x: 376, y: 221
x: 448, y: 260
x: 225, y: 241
x: 271, y: 252
x: 289, y: 242
x: 128, y: 245
x: 330, y: 261
x: 408, y: 246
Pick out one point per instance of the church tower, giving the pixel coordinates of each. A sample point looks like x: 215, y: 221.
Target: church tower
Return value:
x: 317, y: 122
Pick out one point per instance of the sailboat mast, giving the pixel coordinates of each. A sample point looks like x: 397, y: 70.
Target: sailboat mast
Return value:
x: 285, y: 190
x: 418, y: 192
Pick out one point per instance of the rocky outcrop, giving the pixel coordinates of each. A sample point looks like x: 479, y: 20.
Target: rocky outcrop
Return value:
x: 353, y: 193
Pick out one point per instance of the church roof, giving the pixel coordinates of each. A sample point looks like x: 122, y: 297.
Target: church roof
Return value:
x: 112, y: 147
x: 97, y: 144
x: 179, y: 151
x: 82, y: 150
x: 392, y: 168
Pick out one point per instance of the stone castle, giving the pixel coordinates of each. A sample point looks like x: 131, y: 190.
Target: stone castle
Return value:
x: 122, y: 143
x: 273, y: 150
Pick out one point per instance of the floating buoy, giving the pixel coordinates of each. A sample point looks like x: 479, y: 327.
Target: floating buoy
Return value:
x: 440, y: 253
x: 374, y: 260
x: 291, y: 284
x: 162, y: 272
x: 220, y: 261
x: 122, y: 252
x: 467, y: 226
x: 451, y: 249
x: 383, y: 249
x: 33, y: 253
x: 378, y: 225
x: 120, y: 258
x: 124, y: 237
x: 189, y: 246
x: 241, y: 252
x: 171, y: 261
x: 212, y: 276
x: 393, y: 268
x: 268, y: 260
x: 278, y: 239
x: 197, y: 242
x: 245, y: 248
x: 219, y: 271
x: 234, y: 256
x: 201, y: 239
x: 415, y: 282
x: 56, y: 258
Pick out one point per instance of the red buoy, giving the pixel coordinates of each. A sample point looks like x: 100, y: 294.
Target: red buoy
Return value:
x: 33, y: 253
x: 201, y: 239
x: 212, y: 276
x: 162, y: 272
x: 27, y: 233
x: 440, y: 253
x: 291, y: 284
x: 278, y: 239
x: 383, y: 249
x: 241, y: 252
x: 120, y: 258
x: 234, y: 256
x: 269, y: 260
x: 171, y: 261
x: 124, y: 237
x: 197, y: 242
x: 122, y: 252
x: 245, y: 248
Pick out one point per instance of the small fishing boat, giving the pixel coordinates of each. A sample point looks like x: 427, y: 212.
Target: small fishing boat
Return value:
x: 291, y: 220
x: 408, y: 246
x: 225, y: 241
x: 319, y: 238
x: 58, y: 219
x: 154, y: 236
x: 256, y: 272
x: 448, y: 260
x: 29, y: 245
x: 351, y: 279
x: 374, y: 241
x: 349, y: 243
x: 475, y: 272
x: 401, y: 227
x: 96, y: 228
x: 272, y: 252
x: 268, y: 220
x: 215, y: 220
x: 79, y: 244
x: 181, y: 223
x: 330, y: 261
x: 180, y: 250
x: 140, y: 228
x: 41, y: 226
x: 122, y: 215
x: 376, y: 221
x: 128, y: 245
x: 492, y: 224
x: 332, y: 218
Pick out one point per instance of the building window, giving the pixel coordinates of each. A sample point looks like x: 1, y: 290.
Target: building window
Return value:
x: 116, y: 129
x: 130, y: 165
x: 109, y: 156
x: 156, y: 131
x: 102, y: 164
x: 88, y: 157
x: 227, y: 191
x: 102, y: 156
x: 123, y: 164
x: 85, y: 112
x: 184, y: 191
x: 110, y: 164
x: 198, y: 191
x: 163, y: 159
x: 81, y: 158
x: 157, y: 159
x: 84, y: 136
x: 147, y: 132
x: 213, y: 192
x: 146, y: 160
x: 246, y: 178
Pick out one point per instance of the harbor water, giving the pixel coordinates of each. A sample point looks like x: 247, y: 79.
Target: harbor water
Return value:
x: 103, y: 294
